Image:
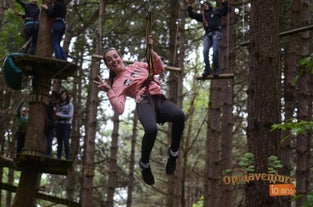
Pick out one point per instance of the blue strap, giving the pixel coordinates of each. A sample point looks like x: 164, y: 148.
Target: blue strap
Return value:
x: 31, y: 22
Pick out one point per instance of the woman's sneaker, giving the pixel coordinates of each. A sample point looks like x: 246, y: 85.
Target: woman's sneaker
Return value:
x: 146, y: 173
x: 171, y: 161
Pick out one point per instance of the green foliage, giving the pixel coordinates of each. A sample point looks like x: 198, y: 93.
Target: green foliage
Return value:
x: 274, y: 164
x: 295, y: 127
x: 247, y: 162
x: 227, y: 172
x: 307, y: 62
x: 199, y: 203
x: 308, y: 199
x: 11, y: 37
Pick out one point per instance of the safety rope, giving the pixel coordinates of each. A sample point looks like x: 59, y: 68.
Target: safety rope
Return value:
x: 149, y: 56
x: 26, y: 44
x: 205, y: 22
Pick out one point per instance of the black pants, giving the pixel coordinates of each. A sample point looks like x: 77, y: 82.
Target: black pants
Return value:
x: 20, y: 141
x: 160, y: 111
x: 31, y: 31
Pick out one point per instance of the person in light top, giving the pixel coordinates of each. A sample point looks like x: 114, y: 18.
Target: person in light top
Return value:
x: 64, y: 112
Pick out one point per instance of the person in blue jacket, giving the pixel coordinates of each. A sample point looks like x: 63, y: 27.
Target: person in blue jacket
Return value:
x: 58, y: 15
x: 31, y: 28
x: 211, y: 20
x: 64, y: 115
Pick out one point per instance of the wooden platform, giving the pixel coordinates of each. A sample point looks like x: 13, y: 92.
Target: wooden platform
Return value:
x: 46, y: 67
x: 38, y: 163
x: 220, y: 76
x: 12, y: 188
x: 6, y: 162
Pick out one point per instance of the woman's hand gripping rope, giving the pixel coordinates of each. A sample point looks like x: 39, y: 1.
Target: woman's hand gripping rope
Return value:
x: 101, y: 84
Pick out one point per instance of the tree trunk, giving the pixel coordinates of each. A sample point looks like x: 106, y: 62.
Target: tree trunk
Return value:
x: 263, y: 95
x: 113, y: 162
x: 227, y: 64
x: 132, y: 162
x: 290, y: 93
x: 303, y: 145
x: 4, y: 144
x: 91, y: 127
x: 34, y: 142
x: 219, y: 135
x: 174, y: 187
x: 212, y: 147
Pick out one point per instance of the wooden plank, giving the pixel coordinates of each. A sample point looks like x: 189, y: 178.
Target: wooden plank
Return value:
x: 43, y: 164
x: 220, y: 76
x: 170, y: 68
x: 37, y: 163
x: 6, y: 162
x: 42, y: 196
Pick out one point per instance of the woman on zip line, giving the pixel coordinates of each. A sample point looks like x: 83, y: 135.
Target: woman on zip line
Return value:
x: 151, y: 105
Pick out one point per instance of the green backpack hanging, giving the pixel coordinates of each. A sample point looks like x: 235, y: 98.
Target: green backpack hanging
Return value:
x: 13, y: 76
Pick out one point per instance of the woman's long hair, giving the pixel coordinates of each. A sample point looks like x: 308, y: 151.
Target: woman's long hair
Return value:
x: 68, y: 98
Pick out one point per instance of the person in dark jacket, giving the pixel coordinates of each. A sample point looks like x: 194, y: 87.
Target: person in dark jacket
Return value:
x: 31, y: 24
x: 50, y: 122
x: 58, y: 14
x: 211, y: 20
x: 64, y: 115
x: 21, y: 124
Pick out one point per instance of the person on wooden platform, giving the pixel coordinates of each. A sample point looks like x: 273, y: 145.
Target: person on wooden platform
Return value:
x: 21, y: 124
x: 58, y: 14
x: 211, y: 20
x: 31, y: 28
x: 151, y: 105
x: 50, y: 121
x: 64, y: 115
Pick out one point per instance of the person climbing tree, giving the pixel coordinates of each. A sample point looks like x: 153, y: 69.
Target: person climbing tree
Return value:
x: 211, y: 20
x: 151, y: 105
x: 64, y: 115
x: 58, y: 14
x: 31, y: 28
x: 21, y: 124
